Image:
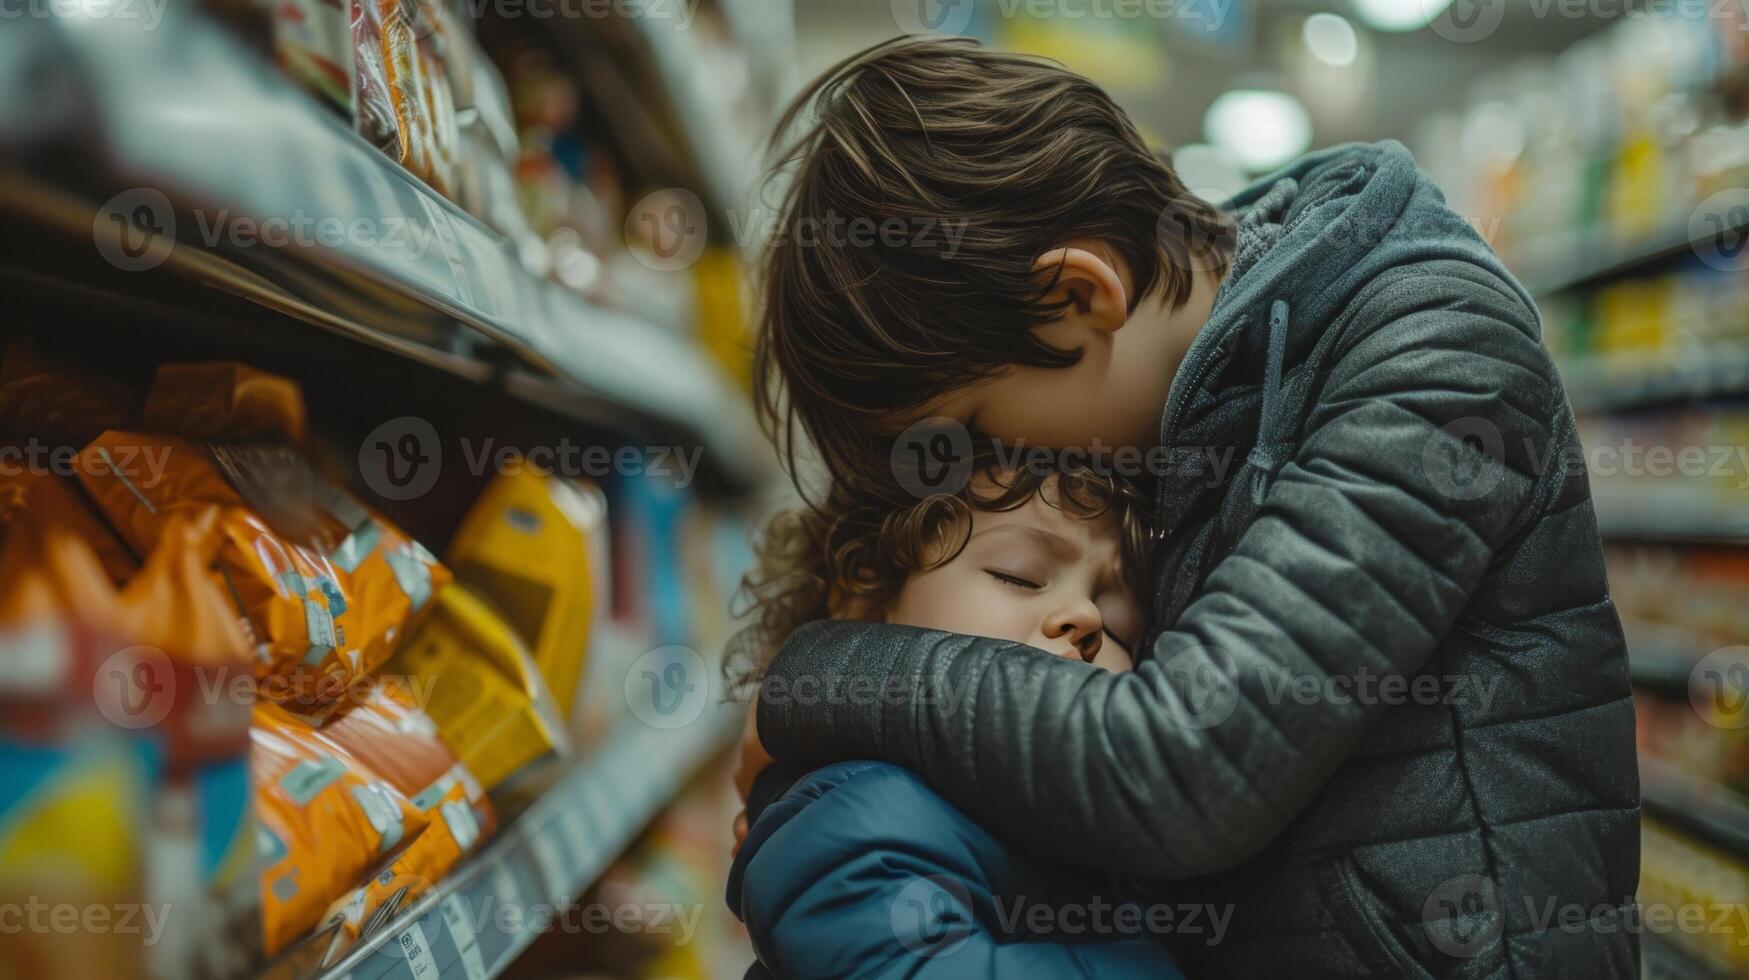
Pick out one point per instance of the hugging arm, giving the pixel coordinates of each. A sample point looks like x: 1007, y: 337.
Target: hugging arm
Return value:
x: 1361, y: 559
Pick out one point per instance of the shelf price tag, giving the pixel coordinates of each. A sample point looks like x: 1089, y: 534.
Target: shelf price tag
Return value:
x: 461, y: 929
x: 418, y: 952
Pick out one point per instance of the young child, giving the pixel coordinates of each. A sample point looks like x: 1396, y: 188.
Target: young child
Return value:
x: 1382, y: 707
x: 858, y: 869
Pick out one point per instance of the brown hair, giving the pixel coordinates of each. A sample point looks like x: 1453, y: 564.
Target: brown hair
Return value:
x: 987, y: 160
x: 849, y: 556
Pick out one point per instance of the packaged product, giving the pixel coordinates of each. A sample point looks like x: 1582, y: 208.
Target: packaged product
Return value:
x: 73, y: 805
x: 373, y: 107
x: 155, y: 666
x: 325, y: 825
x: 326, y: 611
x: 389, y: 733
x: 535, y: 546
x: 313, y: 44
x: 43, y: 397
x: 43, y: 498
x: 485, y: 692
x: 228, y: 402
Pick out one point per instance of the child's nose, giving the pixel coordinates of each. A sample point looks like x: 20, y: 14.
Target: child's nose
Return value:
x: 1081, y: 623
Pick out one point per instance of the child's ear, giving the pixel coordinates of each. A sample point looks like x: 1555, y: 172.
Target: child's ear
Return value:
x: 1089, y: 284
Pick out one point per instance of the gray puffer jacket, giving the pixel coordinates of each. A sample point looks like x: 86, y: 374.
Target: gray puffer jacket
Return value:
x: 1386, y: 719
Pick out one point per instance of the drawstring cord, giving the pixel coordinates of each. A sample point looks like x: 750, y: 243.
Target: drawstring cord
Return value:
x: 1270, y: 451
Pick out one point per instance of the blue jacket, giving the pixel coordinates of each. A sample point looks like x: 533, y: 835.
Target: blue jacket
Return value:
x: 860, y: 870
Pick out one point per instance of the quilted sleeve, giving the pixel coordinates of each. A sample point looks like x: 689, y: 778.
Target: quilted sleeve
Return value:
x: 1417, y: 464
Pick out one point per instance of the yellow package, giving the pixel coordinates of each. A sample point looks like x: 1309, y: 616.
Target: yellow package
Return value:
x: 223, y: 401
x: 535, y: 547
x: 486, y: 694
x: 325, y: 825
x: 325, y: 616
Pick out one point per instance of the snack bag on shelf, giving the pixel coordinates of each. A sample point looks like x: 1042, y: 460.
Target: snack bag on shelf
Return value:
x: 390, y: 734
x: 165, y: 640
x: 485, y: 692
x: 312, y: 43
x: 373, y: 107
x: 535, y: 547
x: 224, y: 401
x: 325, y: 612
x: 437, y: 48
x: 325, y: 825
x: 46, y: 499
x: 41, y: 396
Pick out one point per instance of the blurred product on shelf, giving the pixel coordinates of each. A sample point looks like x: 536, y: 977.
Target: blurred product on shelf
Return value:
x: 1679, y: 877
x: 312, y: 42
x: 329, y: 588
x: 1606, y: 148
x: 485, y: 691
x: 535, y: 547
x: 148, y: 653
x: 1699, y: 590
x: 47, y: 397
x: 389, y: 733
x: 327, y: 823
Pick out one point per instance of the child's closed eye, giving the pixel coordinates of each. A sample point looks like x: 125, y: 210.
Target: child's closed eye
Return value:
x: 1014, y: 580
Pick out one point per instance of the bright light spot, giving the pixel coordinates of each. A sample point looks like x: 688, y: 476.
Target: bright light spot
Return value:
x: 1209, y: 172
x: 1263, y: 129
x: 1493, y: 134
x: 1399, y: 15
x: 1330, y: 39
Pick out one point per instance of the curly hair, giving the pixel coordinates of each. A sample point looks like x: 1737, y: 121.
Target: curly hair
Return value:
x: 848, y: 556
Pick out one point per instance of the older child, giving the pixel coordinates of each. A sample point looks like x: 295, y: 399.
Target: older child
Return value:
x: 858, y: 869
x: 1382, y: 707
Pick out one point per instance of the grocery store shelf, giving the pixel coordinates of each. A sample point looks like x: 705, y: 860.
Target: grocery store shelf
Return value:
x: 1559, y: 262
x: 1662, y: 657
x: 100, y: 118
x: 1670, y: 514
x: 1714, y: 814
x: 484, y: 914
x: 1663, y: 959
x: 1612, y: 385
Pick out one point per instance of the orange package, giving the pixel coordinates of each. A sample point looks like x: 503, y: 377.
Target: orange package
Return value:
x: 325, y: 825
x: 223, y: 401
x: 47, y: 500
x: 398, y: 22
x: 326, y: 612
x: 390, y: 734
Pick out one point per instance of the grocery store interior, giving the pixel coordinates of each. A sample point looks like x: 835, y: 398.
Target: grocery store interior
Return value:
x: 471, y: 282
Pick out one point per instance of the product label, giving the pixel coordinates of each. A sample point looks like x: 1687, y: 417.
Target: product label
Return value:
x: 418, y: 953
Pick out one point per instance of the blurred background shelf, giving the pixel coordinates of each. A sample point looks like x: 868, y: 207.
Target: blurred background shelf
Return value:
x: 1619, y: 384
x: 1714, y: 814
x: 421, y: 278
